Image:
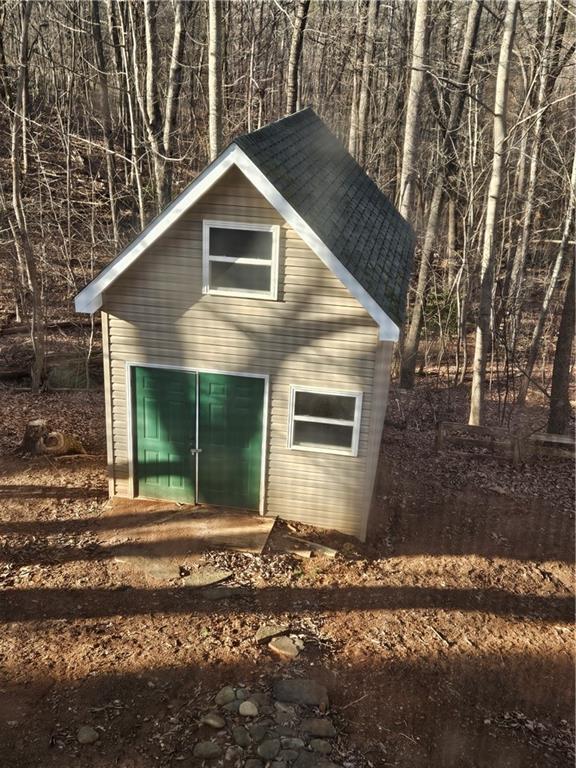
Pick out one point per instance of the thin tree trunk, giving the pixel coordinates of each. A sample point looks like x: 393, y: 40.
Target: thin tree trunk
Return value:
x: 559, y: 415
x: 299, y: 26
x: 491, y: 223
x: 106, y: 113
x: 550, y: 290
x: 409, y: 150
x: 367, y: 67
x: 181, y: 11
x: 215, y: 77
x: 20, y: 226
x: 446, y: 165
x: 528, y: 211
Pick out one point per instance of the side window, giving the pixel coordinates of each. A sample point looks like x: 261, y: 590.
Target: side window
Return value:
x: 324, y: 421
x: 240, y: 259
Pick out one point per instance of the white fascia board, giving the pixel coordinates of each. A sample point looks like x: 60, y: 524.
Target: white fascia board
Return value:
x: 389, y: 331
x: 90, y: 298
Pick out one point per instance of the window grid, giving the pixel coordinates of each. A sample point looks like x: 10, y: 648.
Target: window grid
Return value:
x: 272, y: 262
x: 354, y: 424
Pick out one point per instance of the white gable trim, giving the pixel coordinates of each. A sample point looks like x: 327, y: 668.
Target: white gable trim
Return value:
x: 90, y: 299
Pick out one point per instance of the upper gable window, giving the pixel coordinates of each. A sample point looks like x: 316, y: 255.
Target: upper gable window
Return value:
x: 240, y: 259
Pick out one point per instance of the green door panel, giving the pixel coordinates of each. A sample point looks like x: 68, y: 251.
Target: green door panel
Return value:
x: 230, y: 438
x: 164, y: 408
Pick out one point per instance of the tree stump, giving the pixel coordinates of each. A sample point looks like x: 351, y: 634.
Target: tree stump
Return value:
x: 35, y: 432
x: 38, y: 440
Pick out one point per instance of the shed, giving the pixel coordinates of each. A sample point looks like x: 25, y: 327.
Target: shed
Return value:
x: 248, y: 333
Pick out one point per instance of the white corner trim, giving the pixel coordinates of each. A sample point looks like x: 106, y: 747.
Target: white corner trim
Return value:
x: 389, y: 331
x: 90, y: 298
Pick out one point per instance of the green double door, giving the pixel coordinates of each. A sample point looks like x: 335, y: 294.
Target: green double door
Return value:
x: 197, y: 436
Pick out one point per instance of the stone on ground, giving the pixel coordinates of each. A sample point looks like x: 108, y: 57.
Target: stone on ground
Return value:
x: 321, y: 746
x: 205, y: 576
x: 301, y: 692
x: 225, y: 695
x: 213, y: 720
x: 269, y: 749
x: 248, y: 709
x: 241, y: 736
x: 207, y: 749
x: 87, y: 735
x: 285, y: 647
x: 266, y: 631
x: 319, y: 726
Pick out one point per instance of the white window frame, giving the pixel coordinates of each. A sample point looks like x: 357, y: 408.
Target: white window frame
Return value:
x: 292, y: 417
x: 272, y: 294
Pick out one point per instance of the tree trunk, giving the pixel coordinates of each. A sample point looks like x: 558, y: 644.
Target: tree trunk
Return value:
x: 534, y: 168
x: 20, y: 226
x: 300, y: 19
x: 367, y: 67
x: 409, y: 167
x: 181, y: 11
x: 215, y: 77
x: 491, y: 222
x: 106, y: 113
x: 446, y: 166
x: 550, y: 289
x: 559, y: 415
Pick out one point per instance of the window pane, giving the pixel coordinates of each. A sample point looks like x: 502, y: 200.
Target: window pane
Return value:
x: 325, y: 406
x: 308, y: 434
x: 240, y: 277
x: 240, y: 242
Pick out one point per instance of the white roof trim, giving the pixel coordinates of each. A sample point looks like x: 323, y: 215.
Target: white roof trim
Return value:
x: 90, y: 299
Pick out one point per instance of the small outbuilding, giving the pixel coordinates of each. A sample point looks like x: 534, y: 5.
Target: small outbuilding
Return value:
x: 248, y: 333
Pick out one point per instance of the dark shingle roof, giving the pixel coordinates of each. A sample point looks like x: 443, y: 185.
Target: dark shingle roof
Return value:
x: 313, y: 171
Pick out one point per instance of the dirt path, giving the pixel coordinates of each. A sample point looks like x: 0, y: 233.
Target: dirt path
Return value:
x: 446, y: 641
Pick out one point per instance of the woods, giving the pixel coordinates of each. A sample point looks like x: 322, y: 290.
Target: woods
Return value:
x: 461, y: 112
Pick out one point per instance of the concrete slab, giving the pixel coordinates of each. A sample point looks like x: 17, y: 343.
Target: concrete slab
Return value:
x: 157, y: 538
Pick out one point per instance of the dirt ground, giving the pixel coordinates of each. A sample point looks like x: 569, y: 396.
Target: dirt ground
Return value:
x: 446, y: 641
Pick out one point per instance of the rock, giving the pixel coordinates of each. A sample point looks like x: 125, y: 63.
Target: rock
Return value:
x: 213, y: 720
x: 258, y: 731
x: 207, y: 750
x: 321, y: 746
x: 233, y: 706
x: 301, y: 692
x: 205, y: 576
x: 289, y: 742
x: 269, y: 749
x: 319, y: 726
x: 242, y: 694
x: 241, y: 736
x: 225, y: 695
x: 253, y: 762
x: 266, y: 631
x: 248, y: 709
x: 87, y: 735
x: 284, y: 730
x: 288, y: 755
x: 285, y: 647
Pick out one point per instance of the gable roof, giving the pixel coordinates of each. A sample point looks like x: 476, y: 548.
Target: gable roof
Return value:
x: 304, y: 172
x: 314, y: 172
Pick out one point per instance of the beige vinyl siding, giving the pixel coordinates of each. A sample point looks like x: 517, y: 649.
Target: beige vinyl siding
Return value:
x: 315, y: 335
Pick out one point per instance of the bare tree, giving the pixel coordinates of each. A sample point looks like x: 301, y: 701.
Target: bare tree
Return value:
x: 491, y: 221
x: 215, y: 76
x: 411, y: 125
x: 560, y: 393
x: 446, y: 165
x: 298, y: 28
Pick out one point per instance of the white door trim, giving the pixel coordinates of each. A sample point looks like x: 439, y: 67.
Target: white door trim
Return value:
x: 186, y: 369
